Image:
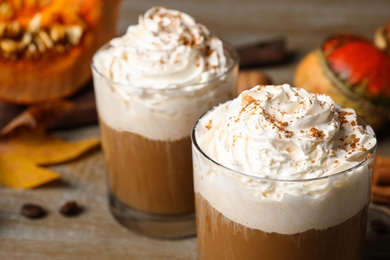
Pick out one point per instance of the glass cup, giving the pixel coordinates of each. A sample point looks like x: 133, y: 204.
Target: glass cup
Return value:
x: 238, y: 218
x: 150, y: 179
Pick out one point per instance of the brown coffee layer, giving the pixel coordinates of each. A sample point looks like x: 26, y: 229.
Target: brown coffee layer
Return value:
x: 221, y: 238
x: 148, y: 175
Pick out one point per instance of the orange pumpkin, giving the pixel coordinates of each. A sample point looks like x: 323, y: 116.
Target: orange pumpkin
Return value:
x: 354, y: 71
x: 46, y: 46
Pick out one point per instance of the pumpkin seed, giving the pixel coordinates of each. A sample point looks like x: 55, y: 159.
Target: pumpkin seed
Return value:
x: 34, y: 24
x: 44, y: 37
x: 13, y: 30
x: 8, y: 46
x: 31, y: 51
x: 26, y: 40
x: 57, y: 33
x: 40, y: 45
x: 74, y: 34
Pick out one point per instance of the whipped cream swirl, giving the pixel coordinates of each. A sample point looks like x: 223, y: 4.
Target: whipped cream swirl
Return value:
x: 159, y: 77
x: 285, y: 133
x: 166, y: 49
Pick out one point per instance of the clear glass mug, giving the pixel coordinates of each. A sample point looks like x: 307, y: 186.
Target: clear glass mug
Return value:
x: 150, y: 180
x: 322, y: 218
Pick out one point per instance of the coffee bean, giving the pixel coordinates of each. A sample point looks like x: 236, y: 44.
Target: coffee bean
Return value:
x: 32, y: 211
x: 379, y: 226
x: 70, y: 209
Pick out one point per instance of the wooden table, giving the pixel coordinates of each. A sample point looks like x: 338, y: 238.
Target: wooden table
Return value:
x: 95, y: 234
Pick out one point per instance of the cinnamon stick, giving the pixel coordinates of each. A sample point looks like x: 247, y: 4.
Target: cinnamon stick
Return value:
x: 269, y: 52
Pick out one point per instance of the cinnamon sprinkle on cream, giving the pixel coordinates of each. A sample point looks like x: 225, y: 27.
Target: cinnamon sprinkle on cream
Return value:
x: 316, y: 133
x: 209, y: 124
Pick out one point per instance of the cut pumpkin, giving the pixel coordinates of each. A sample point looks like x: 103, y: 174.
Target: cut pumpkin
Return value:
x: 46, y: 46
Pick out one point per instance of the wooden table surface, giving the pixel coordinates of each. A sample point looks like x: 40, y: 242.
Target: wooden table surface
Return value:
x: 95, y: 234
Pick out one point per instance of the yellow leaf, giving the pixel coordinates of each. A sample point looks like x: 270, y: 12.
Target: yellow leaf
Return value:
x: 22, y: 151
x: 17, y: 171
x: 48, y: 150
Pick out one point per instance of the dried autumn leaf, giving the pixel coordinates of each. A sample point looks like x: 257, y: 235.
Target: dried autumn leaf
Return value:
x: 19, y: 172
x: 48, y: 150
x: 23, y: 151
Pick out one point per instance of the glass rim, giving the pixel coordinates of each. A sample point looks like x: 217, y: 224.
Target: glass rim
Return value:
x: 195, y: 144
x: 193, y: 86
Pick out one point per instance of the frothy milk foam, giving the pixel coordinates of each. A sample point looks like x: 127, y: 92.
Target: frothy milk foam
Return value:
x: 283, y: 133
x: 165, y: 68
